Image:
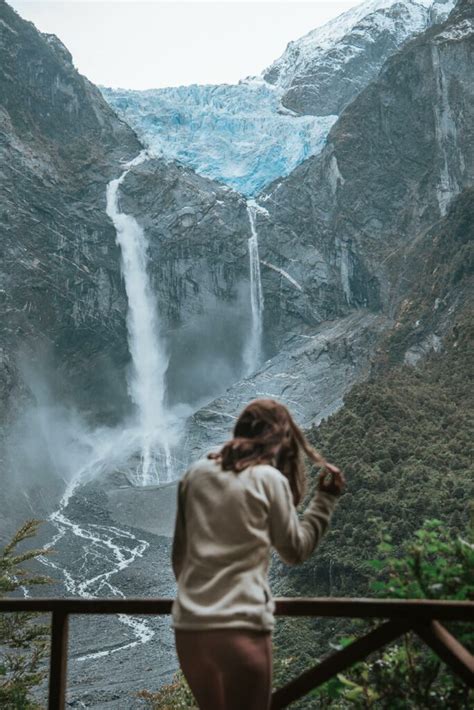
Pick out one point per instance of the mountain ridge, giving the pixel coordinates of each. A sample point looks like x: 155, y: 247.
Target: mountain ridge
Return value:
x: 380, y: 180
x: 325, y: 69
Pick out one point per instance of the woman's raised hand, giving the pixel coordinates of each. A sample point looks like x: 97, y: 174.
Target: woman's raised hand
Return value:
x: 331, y: 480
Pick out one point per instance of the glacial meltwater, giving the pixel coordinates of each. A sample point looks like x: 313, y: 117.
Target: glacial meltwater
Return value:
x: 149, y: 358
x: 253, y: 349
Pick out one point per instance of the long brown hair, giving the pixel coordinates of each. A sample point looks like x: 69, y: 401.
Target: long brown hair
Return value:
x: 266, y: 433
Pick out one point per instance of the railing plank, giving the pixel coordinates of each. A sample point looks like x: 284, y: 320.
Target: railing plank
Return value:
x: 404, y: 614
x: 415, y: 610
x: 410, y: 609
x: 338, y: 662
x: 58, y: 662
x: 448, y: 649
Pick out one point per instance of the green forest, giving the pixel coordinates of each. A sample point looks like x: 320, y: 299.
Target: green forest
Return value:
x: 405, y: 441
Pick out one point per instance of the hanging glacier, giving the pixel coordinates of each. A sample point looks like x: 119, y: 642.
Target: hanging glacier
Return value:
x: 236, y: 134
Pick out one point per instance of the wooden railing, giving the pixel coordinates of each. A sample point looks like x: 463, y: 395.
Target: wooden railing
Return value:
x: 420, y: 616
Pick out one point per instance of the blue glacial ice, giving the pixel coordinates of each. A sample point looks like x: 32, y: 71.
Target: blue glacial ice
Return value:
x: 239, y: 135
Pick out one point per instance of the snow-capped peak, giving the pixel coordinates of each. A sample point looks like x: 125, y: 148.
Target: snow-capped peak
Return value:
x: 391, y: 22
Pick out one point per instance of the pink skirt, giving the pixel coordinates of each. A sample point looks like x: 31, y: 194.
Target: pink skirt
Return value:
x: 227, y: 669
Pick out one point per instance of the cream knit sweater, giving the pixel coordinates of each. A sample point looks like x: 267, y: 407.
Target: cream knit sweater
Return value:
x: 226, y: 524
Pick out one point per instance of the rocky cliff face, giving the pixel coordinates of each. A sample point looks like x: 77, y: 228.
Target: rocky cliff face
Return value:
x: 199, y: 267
x: 322, y: 72
x: 438, y: 270
x: 61, y: 288
x: 395, y: 159
x: 60, y: 144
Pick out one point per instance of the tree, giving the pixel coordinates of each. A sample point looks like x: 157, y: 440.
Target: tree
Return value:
x: 433, y: 565
x: 24, y: 640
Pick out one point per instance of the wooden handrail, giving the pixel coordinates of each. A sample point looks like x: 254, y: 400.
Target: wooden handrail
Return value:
x: 419, y: 615
x: 341, y: 607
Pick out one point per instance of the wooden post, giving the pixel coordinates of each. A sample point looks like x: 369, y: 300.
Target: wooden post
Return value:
x: 448, y: 649
x: 58, y: 663
x: 336, y: 663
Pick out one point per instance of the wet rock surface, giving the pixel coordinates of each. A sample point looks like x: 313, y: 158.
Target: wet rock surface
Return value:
x: 310, y: 374
x: 197, y: 231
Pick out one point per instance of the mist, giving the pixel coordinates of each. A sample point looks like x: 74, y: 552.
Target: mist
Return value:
x: 207, y: 355
x: 52, y: 442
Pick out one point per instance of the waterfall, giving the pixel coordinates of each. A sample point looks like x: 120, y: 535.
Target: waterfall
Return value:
x: 253, y: 349
x: 446, y: 137
x: 149, y: 358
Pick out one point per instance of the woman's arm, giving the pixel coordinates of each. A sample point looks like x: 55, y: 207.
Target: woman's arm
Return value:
x: 296, y: 539
x: 179, y: 539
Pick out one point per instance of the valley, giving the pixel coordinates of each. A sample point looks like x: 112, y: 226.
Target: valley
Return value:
x: 169, y: 255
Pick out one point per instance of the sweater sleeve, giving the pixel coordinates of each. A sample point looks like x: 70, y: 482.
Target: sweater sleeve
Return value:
x: 296, y: 539
x: 179, y: 539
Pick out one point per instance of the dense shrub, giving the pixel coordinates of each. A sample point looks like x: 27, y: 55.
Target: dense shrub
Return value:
x: 434, y: 564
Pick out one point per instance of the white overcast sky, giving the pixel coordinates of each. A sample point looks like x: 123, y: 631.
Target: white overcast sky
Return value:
x: 142, y: 45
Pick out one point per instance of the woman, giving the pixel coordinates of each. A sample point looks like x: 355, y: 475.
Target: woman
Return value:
x: 233, y: 506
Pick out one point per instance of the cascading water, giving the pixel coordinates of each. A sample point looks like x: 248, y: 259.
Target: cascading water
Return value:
x: 253, y: 349
x: 149, y: 358
x: 108, y: 550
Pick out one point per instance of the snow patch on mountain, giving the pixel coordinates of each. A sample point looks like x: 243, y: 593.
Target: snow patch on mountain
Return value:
x: 236, y: 134
x: 375, y: 28
x: 456, y: 32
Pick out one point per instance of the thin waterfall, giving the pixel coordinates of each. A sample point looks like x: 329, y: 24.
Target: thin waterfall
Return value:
x: 253, y: 349
x: 149, y: 358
